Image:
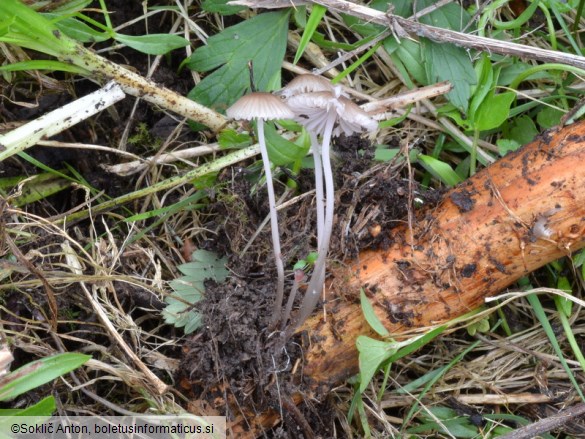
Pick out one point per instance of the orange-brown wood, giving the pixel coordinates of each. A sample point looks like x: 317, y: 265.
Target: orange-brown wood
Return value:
x: 511, y: 218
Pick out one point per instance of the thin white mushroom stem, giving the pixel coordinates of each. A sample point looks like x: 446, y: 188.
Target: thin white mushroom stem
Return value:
x: 273, y: 226
x: 299, y: 276
x: 319, y: 194
x: 318, y: 277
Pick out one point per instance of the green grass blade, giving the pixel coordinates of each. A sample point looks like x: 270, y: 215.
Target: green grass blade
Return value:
x: 541, y: 315
x: 37, y: 373
x: 315, y: 18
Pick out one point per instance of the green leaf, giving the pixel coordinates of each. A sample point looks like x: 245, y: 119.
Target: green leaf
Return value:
x: 77, y: 29
x: 317, y: 13
x: 372, y: 353
x: 440, y: 170
x: 45, y: 64
x: 37, y: 373
x: 445, y: 62
x: 451, y: 16
x: 231, y: 139
x: 371, y: 316
x: 261, y: 39
x: 523, y: 130
x: 543, y: 319
x: 153, y: 44
x: 45, y: 407
x: 221, y: 7
x: 494, y: 110
x: 72, y: 6
x: 410, y: 54
x: 507, y: 145
x: 485, y: 84
x: 402, y: 8
x: 549, y: 117
x: 281, y: 151
x: 190, y: 288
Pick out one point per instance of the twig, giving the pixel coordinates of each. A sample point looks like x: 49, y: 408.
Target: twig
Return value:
x: 400, y: 26
x: 563, y: 417
x: 135, y: 166
x: 409, y: 97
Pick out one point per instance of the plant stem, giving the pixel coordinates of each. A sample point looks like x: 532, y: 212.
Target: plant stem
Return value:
x: 319, y: 195
x: 58, y: 120
x: 316, y: 283
x: 276, y: 311
x: 136, y: 85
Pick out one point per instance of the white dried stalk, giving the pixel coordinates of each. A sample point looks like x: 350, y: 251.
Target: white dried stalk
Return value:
x: 59, y: 120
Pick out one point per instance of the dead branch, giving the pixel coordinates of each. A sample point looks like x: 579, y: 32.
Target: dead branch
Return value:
x: 403, y: 27
x: 511, y: 218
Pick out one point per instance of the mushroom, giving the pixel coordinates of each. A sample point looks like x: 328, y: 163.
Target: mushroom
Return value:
x: 309, y: 83
x: 265, y: 106
x: 318, y: 112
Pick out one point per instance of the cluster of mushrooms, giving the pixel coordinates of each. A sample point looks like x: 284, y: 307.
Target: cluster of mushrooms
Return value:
x: 325, y: 111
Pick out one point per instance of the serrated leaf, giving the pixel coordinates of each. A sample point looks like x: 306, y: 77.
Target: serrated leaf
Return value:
x: 281, y: 151
x: 190, y: 288
x: 261, y: 39
x: 445, y: 62
x: 523, y: 130
x: 410, y: 53
x: 205, y: 265
x: 221, y: 7
x: 549, y: 117
x: 153, y: 44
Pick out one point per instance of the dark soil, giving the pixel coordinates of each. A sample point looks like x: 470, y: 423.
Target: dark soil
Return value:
x: 232, y: 358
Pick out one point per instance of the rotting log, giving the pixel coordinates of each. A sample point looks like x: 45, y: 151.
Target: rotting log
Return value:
x: 518, y: 214
x: 509, y: 219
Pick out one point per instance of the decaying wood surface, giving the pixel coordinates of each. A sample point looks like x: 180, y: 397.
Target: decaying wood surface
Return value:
x: 515, y: 216
x: 524, y: 211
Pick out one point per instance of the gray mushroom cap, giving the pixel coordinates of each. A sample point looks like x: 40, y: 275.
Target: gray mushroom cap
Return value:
x: 259, y: 105
x: 307, y: 83
x: 313, y: 109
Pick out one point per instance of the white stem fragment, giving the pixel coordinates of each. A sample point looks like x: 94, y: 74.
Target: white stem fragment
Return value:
x: 273, y: 225
x: 59, y: 120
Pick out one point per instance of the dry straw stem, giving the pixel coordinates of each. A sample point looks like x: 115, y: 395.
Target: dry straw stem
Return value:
x: 403, y: 27
x: 139, y: 86
x: 484, y: 235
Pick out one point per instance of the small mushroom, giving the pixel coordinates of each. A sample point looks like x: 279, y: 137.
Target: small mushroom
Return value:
x: 309, y: 83
x: 319, y: 112
x: 265, y: 106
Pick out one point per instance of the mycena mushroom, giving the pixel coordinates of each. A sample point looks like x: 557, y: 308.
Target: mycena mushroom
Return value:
x: 310, y: 83
x: 319, y: 112
x: 265, y: 106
